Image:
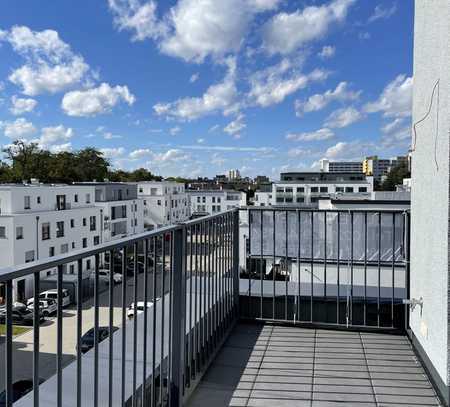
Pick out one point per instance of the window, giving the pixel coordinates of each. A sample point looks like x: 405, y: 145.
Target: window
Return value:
x: 324, y: 189
x: 218, y: 199
x: 29, y: 256
x: 301, y: 190
x: 46, y: 231
x: 204, y: 199
x: 75, y: 198
x: 64, y: 248
x: 26, y: 202
x: 280, y: 190
x: 73, y: 245
x: 339, y: 189
x: 60, y: 229
x: 289, y: 200
x: 300, y: 199
x: 198, y: 199
x: 88, y: 264
x: 141, y: 190
x: 38, y: 200
x: 72, y: 223
x: 159, y: 202
x: 88, y: 198
x: 288, y: 190
x: 92, y: 223
x: 84, y: 222
x: 362, y: 189
x: 314, y: 199
x: 213, y: 199
x: 280, y: 200
x: 348, y: 189
x: 2, y: 232
x: 51, y: 251
x: 84, y: 242
x: 118, y: 212
x: 19, y: 232
x: 96, y: 240
x: 314, y: 190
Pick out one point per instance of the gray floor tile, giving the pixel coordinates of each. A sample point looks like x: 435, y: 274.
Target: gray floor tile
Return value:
x: 340, y: 404
x: 407, y: 400
x: 344, y: 397
x: 277, y: 394
x: 255, y: 402
x: 346, y: 389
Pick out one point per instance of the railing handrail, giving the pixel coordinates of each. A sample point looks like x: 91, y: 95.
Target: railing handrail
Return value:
x: 281, y: 208
x: 25, y: 269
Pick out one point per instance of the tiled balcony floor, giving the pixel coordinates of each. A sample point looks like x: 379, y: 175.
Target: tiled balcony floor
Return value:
x: 282, y: 366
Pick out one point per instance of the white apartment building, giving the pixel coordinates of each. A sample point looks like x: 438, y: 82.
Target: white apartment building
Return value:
x: 306, y: 189
x: 208, y: 202
x: 340, y: 166
x: 41, y: 221
x: 164, y: 203
x: 122, y: 212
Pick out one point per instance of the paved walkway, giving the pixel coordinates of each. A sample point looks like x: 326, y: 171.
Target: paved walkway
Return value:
x: 283, y: 366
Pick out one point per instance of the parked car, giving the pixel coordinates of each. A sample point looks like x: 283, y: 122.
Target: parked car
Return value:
x: 103, y: 275
x: 47, y: 307
x: 87, y: 340
x: 19, y: 389
x: 53, y: 295
x: 140, y: 308
x: 20, y: 317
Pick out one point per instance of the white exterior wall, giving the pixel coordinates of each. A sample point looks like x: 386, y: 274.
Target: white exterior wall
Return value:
x: 430, y: 181
x: 215, y: 201
x: 263, y: 198
x: 165, y: 203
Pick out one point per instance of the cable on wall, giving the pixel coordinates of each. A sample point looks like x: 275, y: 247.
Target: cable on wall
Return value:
x: 436, y: 87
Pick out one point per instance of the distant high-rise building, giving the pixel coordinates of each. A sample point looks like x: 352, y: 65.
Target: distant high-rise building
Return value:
x: 340, y: 166
x: 234, y: 174
x: 379, y: 168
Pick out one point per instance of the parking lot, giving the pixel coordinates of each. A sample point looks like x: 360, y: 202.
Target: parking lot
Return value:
x: 23, y: 344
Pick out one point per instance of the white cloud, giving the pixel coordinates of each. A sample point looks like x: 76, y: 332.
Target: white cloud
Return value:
x: 19, y: 129
x: 381, y: 13
x: 298, y: 152
x: 343, y: 151
x: 319, y: 135
x: 319, y: 101
x: 192, y: 29
x: 395, y: 100
x: 273, y: 84
x: 285, y: 32
x: 213, y: 128
x: 110, y: 136
x: 194, y: 77
x: 92, y: 102
x: 55, y: 139
x: 114, y: 152
x: 22, y: 105
x: 138, y: 17
x: 172, y: 155
x: 235, y: 126
x: 174, y: 130
x: 200, y: 140
x: 343, y: 118
x: 51, y: 65
x: 140, y: 153
x: 327, y: 51
x: 218, y: 97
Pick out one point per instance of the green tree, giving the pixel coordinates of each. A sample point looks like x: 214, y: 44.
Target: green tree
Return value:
x: 91, y: 165
x: 395, y: 177
x: 27, y: 160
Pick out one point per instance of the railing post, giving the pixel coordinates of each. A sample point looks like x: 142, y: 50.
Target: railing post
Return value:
x: 236, y: 261
x: 177, y: 320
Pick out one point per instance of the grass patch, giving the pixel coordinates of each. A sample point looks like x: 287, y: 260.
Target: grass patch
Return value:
x: 17, y: 330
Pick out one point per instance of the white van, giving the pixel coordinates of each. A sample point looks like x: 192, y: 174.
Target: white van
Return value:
x: 53, y: 295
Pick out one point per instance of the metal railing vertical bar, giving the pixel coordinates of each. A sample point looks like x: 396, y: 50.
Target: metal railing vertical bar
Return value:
x: 155, y: 304
x: 379, y: 269
x: 352, y: 248
x: 135, y: 320
x: 196, y: 348
x: 393, y: 269
x: 286, y: 265
x: 124, y: 321
x: 36, y: 329
x: 338, y: 270
x: 190, y: 358
x: 96, y: 331
x: 163, y: 310
x: 261, y: 270
x: 110, y: 327
x: 173, y: 273
x: 9, y: 368
x: 312, y: 269
x: 201, y: 294
x: 216, y: 282
x: 145, y: 327
x: 299, y: 255
x: 236, y: 262
x: 325, y: 219
x: 79, y: 328
x: 209, y: 289
x: 249, y: 276
x: 59, y: 283
x: 273, y: 266
x: 365, y: 269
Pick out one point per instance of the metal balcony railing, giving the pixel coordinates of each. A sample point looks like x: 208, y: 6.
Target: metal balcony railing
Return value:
x: 185, y: 286
x: 334, y: 267
x: 179, y: 283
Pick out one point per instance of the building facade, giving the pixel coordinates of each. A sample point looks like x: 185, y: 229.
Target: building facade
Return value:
x: 41, y: 221
x: 340, y: 166
x: 379, y: 168
x: 165, y: 203
x: 210, y: 202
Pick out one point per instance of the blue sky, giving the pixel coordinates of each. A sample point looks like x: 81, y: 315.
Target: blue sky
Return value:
x: 196, y: 87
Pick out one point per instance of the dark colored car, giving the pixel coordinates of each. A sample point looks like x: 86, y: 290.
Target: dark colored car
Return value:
x: 87, y: 340
x: 20, y: 317
x: 19, y: 389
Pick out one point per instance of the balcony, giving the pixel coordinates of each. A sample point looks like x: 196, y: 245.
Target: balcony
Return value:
x: 247, y: 307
